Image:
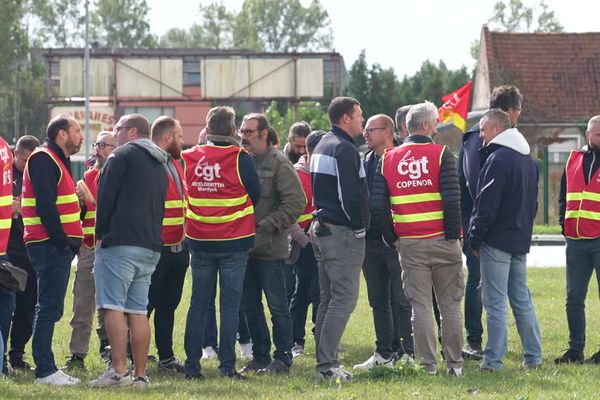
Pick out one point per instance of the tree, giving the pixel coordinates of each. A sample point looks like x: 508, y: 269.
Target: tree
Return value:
x: 517, y: 17
x: 308, y: 111
x: 282, y: 26
x: 216, y: 26
x: 58, y: 23
x: 122, y: 23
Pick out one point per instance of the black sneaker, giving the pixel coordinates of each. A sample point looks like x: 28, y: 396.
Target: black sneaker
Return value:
x: 19, y: 364
x: 105, y: 355
x: 594, y: 359
x: 276, y: 367
x: 252, y: 367
x: 570, y: 357
x: 234, y: 375
x: 170, y: 364
x: 75, y: 362
x: 198, y: 377
x: 473, y: 351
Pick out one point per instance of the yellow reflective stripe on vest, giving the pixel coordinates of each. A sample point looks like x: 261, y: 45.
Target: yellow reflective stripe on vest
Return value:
x: 90, y: 214
x: 174, y: 204
x: 304, y: 217
x: 217, y: 202
x: 428, y: 216
x: 65, y: 219
x: 5, y: 223
x: 64, y: 199
x: 173, y: 221
x: 6, y: 200
x: 89, y: 230
x: 415, y: 198
x: 222, y: 218
x: 583, y: 196
x: 582, y: 214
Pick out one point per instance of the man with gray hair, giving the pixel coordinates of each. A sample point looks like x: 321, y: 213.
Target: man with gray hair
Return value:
x: 578, y: 210
x: 420, y: 185
x: 500, y: 236
x: 400, y: 119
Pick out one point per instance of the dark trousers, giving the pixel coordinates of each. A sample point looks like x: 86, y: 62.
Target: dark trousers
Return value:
x: 289, y: 277
x: 7, y: 304
x: 211, y: 332
x: 164, y: 295
x: 53, y: 267
x: 583, y: 257
x: 383, y: 274
x: 306, y: 292
x: 22, y: 320
x: 267, y: 276
x: 473, y: 305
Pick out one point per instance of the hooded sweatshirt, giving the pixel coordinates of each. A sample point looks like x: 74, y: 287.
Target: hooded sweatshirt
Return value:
x: 131, y: 196
x: 506, y: 201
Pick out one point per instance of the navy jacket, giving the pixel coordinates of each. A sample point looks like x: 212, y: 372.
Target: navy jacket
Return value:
x: 338, y: 181
x: 506, y: 201
x: 469, y: 165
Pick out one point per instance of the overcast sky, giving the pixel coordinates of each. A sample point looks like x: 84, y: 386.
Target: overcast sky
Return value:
x: 398, y: 34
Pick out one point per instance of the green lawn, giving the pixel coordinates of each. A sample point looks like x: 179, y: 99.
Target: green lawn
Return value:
x: 547, y: 286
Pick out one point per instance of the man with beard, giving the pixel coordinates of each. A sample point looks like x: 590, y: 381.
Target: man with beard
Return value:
x: 83, y: 287
x: 52, y: 236
x: 22, y: 321
x: 129, y: 219
x: 168, y: 277
x: 282, y: 201
x: 296, y: 145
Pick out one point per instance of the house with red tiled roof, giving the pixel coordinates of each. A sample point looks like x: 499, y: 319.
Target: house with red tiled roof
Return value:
x: 559, y: 77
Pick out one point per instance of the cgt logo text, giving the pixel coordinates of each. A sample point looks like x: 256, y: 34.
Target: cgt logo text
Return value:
x: 207, y: 171
x: 414, y: 168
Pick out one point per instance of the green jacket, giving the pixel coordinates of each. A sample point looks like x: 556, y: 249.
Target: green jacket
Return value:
x: 282, y: 201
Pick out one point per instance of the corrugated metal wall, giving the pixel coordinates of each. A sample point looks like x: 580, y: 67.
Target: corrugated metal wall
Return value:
x: 142, y: 77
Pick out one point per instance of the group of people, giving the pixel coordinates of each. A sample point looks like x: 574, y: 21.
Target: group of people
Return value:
x: 296, y: 226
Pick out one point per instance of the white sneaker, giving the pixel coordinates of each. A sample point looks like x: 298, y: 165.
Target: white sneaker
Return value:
x: 208, y: 353
x: 58, y: 378
x: 297, y: 350
x: 246, y: 351
x: 334, y: 373
x: 455, y: 371
x: 111, y: 379
x: 375, y: 359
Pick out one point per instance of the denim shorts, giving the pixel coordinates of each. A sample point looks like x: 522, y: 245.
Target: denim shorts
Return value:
x: 122, y: 277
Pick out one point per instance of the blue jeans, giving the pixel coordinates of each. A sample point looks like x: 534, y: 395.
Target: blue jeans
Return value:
x: 267, y: 276
x: 583, y: 257
x: 211, y: 332
x: 473, y: 306
x: 53, y: 267
x: 231, y: 268
x: 504, y: 274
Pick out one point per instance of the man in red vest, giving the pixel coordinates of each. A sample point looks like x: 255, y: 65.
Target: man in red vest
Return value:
x: 223, y: 189
x: 84, y: 290
x: 7, y: 298
x: 168, y: 277
x: 419, y: 181
x: 578, y: 211
x: 53, y: 235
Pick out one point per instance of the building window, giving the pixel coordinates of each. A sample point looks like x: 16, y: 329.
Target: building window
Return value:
x: 191, y: 71
x: 151, y: 113
x: 54, y: 65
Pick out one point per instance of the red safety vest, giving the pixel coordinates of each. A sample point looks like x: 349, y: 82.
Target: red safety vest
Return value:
x: 582, y: 216
x: 305, y: 219
x: 173, y: 220
x: 219, y: 207
x: 90, y: 177
x: 6, y: 198
x: 67, y: 203
x: 412, y: 174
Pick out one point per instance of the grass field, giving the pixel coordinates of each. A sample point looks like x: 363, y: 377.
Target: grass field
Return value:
x: 549, y: 382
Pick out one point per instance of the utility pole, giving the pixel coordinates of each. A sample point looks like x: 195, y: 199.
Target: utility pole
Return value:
x: 86, y: 82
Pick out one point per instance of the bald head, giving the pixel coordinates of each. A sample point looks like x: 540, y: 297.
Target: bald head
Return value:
x: 379, y: 133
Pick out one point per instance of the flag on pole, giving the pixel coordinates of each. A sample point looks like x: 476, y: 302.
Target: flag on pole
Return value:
x: 456, y: 106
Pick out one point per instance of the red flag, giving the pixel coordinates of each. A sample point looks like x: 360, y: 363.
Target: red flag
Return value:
x: 456, y: 106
